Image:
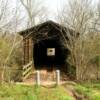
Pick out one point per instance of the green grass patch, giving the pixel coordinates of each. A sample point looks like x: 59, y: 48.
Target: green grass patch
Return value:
x: 22, y: 92
x: 90, y: 90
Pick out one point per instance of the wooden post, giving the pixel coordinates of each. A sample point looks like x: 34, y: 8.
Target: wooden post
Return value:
x: 30, y: 49
x: 27, y: 50
x: 58, y: 77
x: 24, y: 47
x: 38, y: 78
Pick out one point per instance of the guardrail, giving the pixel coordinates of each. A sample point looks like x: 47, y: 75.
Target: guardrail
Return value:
x: 38, y: 77
x: 27, y: 70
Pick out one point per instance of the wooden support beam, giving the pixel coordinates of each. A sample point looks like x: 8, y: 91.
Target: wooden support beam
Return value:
x: 26, y: 50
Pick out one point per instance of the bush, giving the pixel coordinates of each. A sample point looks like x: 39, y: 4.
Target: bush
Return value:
x: 13, y: 68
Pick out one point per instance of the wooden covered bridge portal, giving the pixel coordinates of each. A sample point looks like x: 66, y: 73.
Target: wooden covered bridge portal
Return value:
x: 43, y: 45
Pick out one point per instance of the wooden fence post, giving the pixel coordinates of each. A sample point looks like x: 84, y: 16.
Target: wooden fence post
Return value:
x: 38, y: 78
x: 58, y: 77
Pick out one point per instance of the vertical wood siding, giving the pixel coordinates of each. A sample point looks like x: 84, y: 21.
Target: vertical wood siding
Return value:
x: 27, y: 46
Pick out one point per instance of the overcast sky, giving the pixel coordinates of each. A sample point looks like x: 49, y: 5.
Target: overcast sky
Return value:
x: 53, y: 6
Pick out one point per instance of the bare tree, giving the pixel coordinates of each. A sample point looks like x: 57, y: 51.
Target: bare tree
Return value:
x: 78, y: 16
x: 33, y: 9
x: 3, y: 13
x: 9, y: 20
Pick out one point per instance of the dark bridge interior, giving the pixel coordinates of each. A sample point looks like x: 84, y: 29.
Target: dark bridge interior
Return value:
x: 41, y: 58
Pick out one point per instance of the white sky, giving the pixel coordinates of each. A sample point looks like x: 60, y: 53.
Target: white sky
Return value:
x: 53, y: 6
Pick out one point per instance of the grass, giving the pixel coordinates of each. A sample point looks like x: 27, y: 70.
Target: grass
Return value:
x: 21, y: 92
x: 89, y: 90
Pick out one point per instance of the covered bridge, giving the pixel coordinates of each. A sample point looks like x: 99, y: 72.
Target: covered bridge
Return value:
x: 44, y: 45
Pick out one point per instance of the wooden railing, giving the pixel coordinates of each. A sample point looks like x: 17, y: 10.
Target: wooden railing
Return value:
x: 27, y: 70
